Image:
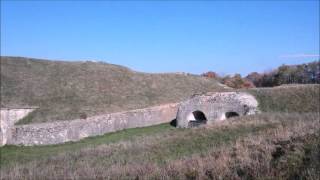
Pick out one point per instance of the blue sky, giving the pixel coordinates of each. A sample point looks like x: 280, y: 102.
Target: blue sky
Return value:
x: 165, y: 36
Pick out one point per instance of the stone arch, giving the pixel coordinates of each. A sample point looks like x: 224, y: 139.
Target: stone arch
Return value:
x: 231, y: 114
x: 197, y: 118
x: 215, y: 107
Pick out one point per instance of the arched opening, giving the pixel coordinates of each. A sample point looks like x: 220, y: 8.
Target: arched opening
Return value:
x: 197, y: 118
x: 231, y: 114
x: 173, y: 122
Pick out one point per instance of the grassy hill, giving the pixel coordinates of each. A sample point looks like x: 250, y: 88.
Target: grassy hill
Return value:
x: 65, y: 90
x: 281, y: 143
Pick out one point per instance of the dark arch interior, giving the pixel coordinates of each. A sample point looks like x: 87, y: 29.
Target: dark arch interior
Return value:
x: 231, y: 114
x: 199, y: 117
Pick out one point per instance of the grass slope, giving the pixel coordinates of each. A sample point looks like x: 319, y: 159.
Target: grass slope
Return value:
x: 279, y: 144
x: 65, y: 90
x: 288, y: 98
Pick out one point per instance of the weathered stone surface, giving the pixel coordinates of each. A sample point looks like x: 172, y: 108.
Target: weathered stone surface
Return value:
x: 8, y: 117
x: 74, y: 130
x: 208, y: 108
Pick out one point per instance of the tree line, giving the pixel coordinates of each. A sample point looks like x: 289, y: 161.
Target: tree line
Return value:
x: 308, y: 73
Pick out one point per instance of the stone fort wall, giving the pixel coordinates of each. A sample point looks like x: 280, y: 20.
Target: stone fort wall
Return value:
x: 74, y: 130
x: 9, y: 116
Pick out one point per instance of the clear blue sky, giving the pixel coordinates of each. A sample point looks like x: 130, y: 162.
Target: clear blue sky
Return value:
x: 165, y: 36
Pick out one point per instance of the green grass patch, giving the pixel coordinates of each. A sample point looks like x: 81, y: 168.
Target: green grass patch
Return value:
x: 10, y: 153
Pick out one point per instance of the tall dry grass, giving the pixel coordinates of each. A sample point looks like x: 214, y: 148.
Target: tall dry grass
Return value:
x: 266, y: 146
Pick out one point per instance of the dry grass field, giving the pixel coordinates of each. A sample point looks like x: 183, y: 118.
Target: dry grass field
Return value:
x: 265, y: 146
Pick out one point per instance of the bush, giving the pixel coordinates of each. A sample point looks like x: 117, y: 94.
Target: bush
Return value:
x: 237, y: 82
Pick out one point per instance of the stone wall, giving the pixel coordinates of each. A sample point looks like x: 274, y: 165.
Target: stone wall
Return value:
x: 215, y: 107
x: 211, y: 107
x: 74, y: 130
x: 9, y: 116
